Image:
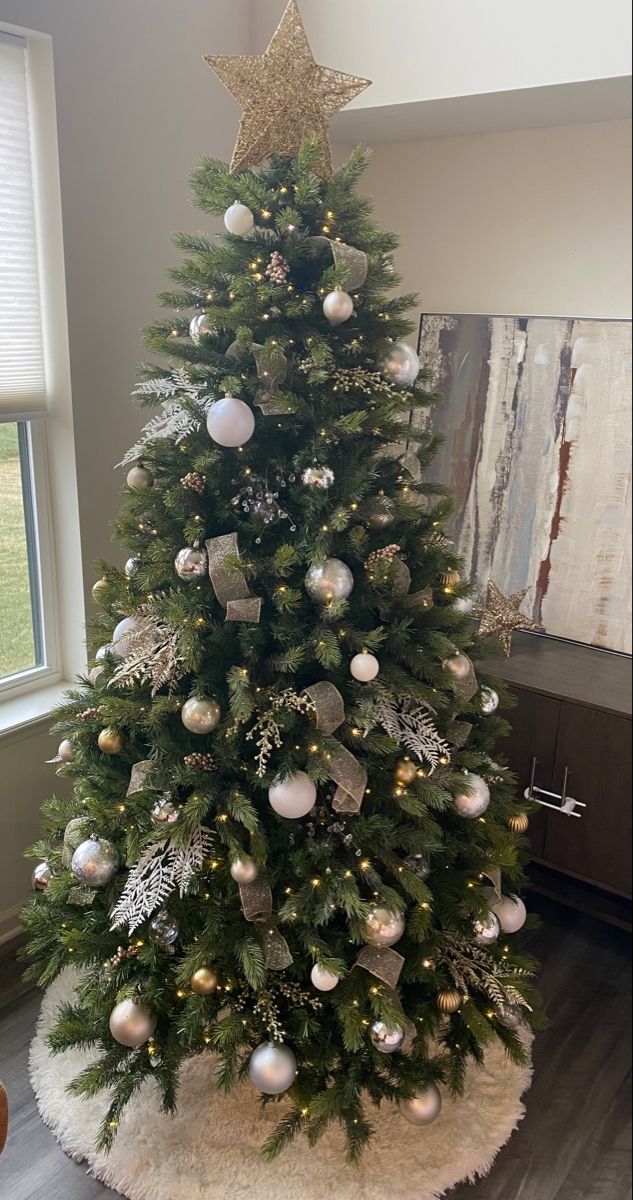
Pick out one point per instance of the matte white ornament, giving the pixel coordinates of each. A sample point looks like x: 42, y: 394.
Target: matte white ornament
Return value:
x: 424, y: 1108
x: 489, y: 701
x: 95, y: 863
x: 383, y: 926
x: 122, y: 633
x: 464, y: 605
x: 323, y: 980
x: 272, y: 1068
x: 244, y: 870
x: 487, y: 930
x: 293, y: 797
x: 132, y: 1024
x: 199, y: 327
x: 230, y: 422
x: 66, y: 750
x: 329, y: 580
x: 200, y: 714
x: 474, y: 800
x: 190, y: 563
x: 384, y: 1038
x: 364, y: 667
x: 239, y: 220
x: 139, y: 478
x: 458, y: 665
x: 401, y: 365
x: 338, y: 307
x: 510, y: 912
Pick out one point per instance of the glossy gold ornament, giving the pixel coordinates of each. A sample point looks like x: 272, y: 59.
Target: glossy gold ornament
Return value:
x: 98, y: 589
x: 405, y: 771
x: 518, y: 822
x: 110, y: 741
x: 450, y: 578
x: 449, y: 1001
x: 204, y: 981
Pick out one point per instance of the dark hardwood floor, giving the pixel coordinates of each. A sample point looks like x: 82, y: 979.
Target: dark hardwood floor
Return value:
x: 574, y: 1143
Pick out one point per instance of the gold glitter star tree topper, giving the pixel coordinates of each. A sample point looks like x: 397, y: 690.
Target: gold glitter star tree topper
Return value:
x: 501, y: 615
x: 285, y: 95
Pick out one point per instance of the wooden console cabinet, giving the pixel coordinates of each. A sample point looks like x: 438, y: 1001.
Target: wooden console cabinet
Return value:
x: 571, y: 736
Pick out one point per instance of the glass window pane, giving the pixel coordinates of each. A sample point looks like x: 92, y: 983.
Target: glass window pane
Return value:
x: 18, y: 643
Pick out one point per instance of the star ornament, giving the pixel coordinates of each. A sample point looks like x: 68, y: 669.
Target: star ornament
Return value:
x: 501, y: 615
x: 285, y: 95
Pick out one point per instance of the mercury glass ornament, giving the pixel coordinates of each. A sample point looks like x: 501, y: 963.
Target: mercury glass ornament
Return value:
x: 139, y: 478
x: 364, y: 667
x: 165, y: 812
x: 95, y: 863
x: 475, y: 798
x: 200, y: 714
x: 230, y: 422
x: 406, y: 771
x: 424, y: 1108
x: 163, y: 928
x: 190, y: 563
x: 199, y: 327
x: 510, y: 912
x: 131, y: 567
x: 66, y: 750
x: 419, y: 865
x: 385, y: 1039
x: 123, y: 632
x: 272, y: 1068
x: 239, y: 220
x: 510, y: 1015
x: 338, y: 306
x: 487, y: 930
x: 329, y: 580
x: 322, y: 979
x: 204, y: 981
x: 132, y: 1023
x: 244, y: 870
x: 379, y: 512
x: 458, y: 665
x: 383, y: 926
x: 110, y: 741
x: 41, y: 877
x: 401, y: 365
x: 318, y: 477
x: 293, y: 797
x: 489, y: 701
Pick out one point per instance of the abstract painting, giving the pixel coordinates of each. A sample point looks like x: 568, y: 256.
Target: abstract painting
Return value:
x: 536, y: 417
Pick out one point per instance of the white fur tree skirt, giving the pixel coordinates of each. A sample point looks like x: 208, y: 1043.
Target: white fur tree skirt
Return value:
x: 209, y: 1150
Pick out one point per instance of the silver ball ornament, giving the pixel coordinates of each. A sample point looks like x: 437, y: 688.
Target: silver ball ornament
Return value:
x: 190, y: 563
x: 165, y: 812
x: 424, y: 1108
x: 487, y: 930
x: 163, y: 928
x: 272, y: 1068
x: 322, y: 979
x: 318, y: 477
x: 199, y: 327
x: 474, y: 800
x: 41, y: 877
x: 510, y: 1015
x: 239, y: 220
x: 95, y: 863
x: 338, y: 307
x: 384, y: 1038
x: 132, y: 1024
x: 458, y: 665
x: 230, y: 422
x: 401, y: 365
x: 383, y: 926
x: 364, y: 667
x: 329, y: 580
x: 489, y: 701
x: 200, y: 714
x: 510, y: 911
x: 419, y: 865
x: 139, y: 478
x: 66, y: 750
x: 131, y: 567
x: 293, y: 797
x: 244, y: 870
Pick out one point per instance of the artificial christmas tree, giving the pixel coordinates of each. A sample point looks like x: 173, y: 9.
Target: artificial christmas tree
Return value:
x: 288, y: 836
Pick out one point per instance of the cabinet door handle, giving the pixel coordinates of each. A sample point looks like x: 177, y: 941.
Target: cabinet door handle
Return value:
x: 567, y: 805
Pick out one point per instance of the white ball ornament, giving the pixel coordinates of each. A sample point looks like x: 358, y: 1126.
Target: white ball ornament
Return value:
x: 244, y: 870
x: 487, y: 930
x: 338, y: 307
x: 66, y: 750
x: 293, y: 797
x: 95, y: 863
x: 489, y: 701
x: 322, y: 979
x: 383, y: 926
x: 272, y: 1068
x: 475, y: 798
x: 139, y: 478
x: 364, y: 667
x: 200, y: 714
x: 464, y: 605
x: 199, y: 327
x: 401, y: 365
x: 239, y: 220
x: 132, y: 1024
x: 101, y: 653
x: 511, y: 913
x: 230, y: 422
x: 424, y: 1108
x: 190, y: 563
x: 123, y: 632
x: 329, y: 580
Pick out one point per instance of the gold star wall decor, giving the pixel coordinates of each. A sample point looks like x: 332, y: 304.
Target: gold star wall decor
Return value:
x: 285, y: 95
x: 501, y: 615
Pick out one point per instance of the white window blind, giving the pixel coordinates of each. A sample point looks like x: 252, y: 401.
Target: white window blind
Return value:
x: 22, y: 372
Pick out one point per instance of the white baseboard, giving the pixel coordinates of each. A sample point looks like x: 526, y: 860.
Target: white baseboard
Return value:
x: 9, y: 925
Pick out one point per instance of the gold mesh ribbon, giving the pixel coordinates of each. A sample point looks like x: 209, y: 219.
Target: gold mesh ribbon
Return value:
x: 386, y: 964
x: 138, y: 776
x: 271, y: 363
x: 352, y: 260
x: 328, y: 705
x: 468, y: 687
x: 350, y: 778
x: 257, y: 906
x: 81, y: 897
x: 229, y: 584
x: 458, y: 733
x: 422, y: 599
x: 494, y: 875
x: 75, y: 833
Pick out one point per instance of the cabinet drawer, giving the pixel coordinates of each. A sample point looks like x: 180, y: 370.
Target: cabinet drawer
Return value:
x: 534, y: 731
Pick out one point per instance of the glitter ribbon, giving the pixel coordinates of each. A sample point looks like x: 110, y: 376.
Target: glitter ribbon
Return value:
x: 75, y: 833
x: 328, y: 705
x: 138, y: 776
x: 494, y: 875
x: 468, y: 687
x: 458, y: 733
x: 351, y: 780
x: 422, y: 599
x: 257, y: 906
x: 352, y: 260
x: 271, y: 363
x: 386, y: 964
x: 229, y: 584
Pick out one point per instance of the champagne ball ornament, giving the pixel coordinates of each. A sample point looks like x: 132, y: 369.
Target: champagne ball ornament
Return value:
x: 510, y: 912
x: 139, y: 478
x: 449, y: 1001
x: 489, y: 701
x: 475, y: 798
x: 41, y: 877
x: 329, y: 580
x: 190, y: 563
x: 385, y: 1039
x: 95, y: 863
x: 487, y: 930
x: 383, y: 926
x: 318, y: 477
x: 338, y: 307
x: 379, y: 512
x: 200, y: 714
x: 230, y: 422
x: 199, y: 327
x: 110, y: 741
x: 132, y: 1024
x: 458, y: 665
x: 204, y: 981
x: 244, y: 870
x: 131, y: 567
x: 406, y: 771
x: 364, y: 667
x: 293, y: 797
x: 123, y: 633
x: 66, y: 750
x: 98, y: 589
x: 401, y: 365
x: 165, y: 812
x: 239, y: 220
x: 272, y: 1068
x: 424, y: 1108
x: 322, y: 979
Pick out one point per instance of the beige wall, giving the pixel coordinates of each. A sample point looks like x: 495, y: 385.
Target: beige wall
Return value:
x: 536, y: 221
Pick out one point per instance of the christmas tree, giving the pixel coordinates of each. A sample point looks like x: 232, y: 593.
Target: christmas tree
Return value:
x: 288, y: 844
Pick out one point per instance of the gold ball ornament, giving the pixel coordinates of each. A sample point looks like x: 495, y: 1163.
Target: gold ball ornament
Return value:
x: 449, y: 1001
x: 98, y: 589
x: 450, y: 578
x: 405, y: 771
x: 518, y: 822
x: 204, y: 981
x: 110, y: 741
